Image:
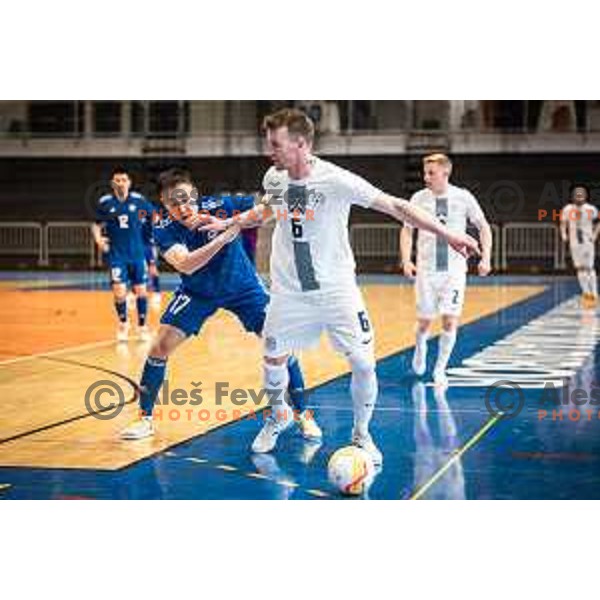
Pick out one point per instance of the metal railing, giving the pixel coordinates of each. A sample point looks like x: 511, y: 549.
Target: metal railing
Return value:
x: 527, y: 242
x: 524, y: 244
x: 71, y: 238
x: 24, y: 239
x: 376, y: 241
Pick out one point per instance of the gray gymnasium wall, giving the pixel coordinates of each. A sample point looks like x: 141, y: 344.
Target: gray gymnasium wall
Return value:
x: 510, y: 187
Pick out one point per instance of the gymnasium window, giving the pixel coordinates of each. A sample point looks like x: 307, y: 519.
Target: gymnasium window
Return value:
x: 107, y: 118
x: 49, y: 119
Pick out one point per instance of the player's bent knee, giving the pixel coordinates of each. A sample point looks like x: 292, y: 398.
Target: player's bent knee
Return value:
x: 423, y: 325
x: 276, y: 361
x: 120, y: 293
x: 166, y: 341
x: 449, y: 323
x: 362, y: 363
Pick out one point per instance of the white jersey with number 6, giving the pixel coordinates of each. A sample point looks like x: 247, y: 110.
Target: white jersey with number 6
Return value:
x: 313, y: 282
x: 311, y: 249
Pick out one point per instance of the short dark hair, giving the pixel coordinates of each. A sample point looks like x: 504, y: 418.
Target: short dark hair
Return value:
x: 119, y: 170
x: 172, y: 178
x: 297, y: 122
x: 580, y: 185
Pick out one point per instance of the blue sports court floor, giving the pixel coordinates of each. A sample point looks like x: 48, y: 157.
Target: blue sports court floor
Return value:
x: 436, y: 444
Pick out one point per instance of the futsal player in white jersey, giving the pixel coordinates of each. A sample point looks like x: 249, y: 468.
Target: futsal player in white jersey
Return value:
x: 577, y: 229
x: 440, y: 271
x: 313, y: 287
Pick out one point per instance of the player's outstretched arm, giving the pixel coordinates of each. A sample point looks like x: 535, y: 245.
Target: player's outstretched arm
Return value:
x: 403, y: 210
x: 255, y: 217
x: 184, y: 261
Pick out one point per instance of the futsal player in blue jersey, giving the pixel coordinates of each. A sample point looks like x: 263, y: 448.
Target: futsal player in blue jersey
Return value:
x: 123, y: 225
x: 216, y: 273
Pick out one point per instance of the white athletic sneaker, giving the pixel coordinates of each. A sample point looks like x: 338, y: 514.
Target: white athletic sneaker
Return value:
x: 139, y: 429
x: 366, y: 443
x: 274, y: 425
x: 419, y: 362
x: 308, y: 426
x: 123, y: 332
x: 144, y: 333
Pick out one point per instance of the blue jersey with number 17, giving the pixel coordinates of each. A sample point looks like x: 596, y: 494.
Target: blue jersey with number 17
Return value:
x: 128, y: 225
x: 229, y: 272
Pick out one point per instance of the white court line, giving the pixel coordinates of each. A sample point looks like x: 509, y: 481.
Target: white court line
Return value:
x: 10, y: 361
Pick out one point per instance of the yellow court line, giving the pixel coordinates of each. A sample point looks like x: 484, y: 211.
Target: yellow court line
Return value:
x: 456, y: 456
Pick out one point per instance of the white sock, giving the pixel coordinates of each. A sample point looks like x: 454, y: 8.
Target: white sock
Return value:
x: 276, y: 381
x: 445, y: 346
x: 593, y: 283
x: 582, y: 278
x: 421, y: 340
x: 419, y: 363
x: 363, y: 388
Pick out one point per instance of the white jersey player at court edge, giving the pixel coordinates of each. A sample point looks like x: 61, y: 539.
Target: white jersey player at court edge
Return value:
x: 440, y: 271
x: 313, y: 284
x: 578, y: 230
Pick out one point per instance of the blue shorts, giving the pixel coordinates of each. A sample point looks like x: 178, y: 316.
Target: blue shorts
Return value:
x: 128, y: 272
x: 151, y: 254
x: 188, y: 312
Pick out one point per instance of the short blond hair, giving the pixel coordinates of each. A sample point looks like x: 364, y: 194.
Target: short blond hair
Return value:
x: 296, y: 121
x: 438, y: 159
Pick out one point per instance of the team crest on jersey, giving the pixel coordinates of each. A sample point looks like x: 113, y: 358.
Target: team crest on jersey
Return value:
x: 270, y: 343
x: 210, y: 202
x: 131, y: 207
x: 112, y: 210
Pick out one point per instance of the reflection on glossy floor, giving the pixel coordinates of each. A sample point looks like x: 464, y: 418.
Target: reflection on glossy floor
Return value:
x: 442, y: 444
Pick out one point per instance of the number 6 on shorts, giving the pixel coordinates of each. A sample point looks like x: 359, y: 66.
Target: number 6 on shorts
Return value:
x: 364, y: 321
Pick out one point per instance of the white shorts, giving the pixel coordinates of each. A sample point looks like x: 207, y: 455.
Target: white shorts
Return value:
x: 440, y: 294
x: 583, y: 255
x: 296, y: 321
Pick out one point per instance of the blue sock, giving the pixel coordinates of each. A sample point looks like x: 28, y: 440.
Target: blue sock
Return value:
x: 296, y: 387
x: 156, y: 283
x: 121, y: 308
x: 152, y: 379
x: 142, y: 309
